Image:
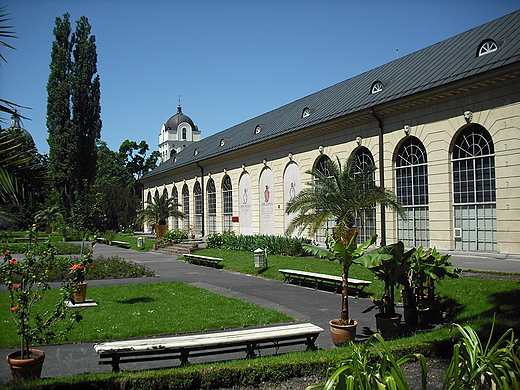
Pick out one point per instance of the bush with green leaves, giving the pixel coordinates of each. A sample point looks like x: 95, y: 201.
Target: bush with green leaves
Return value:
x: 176, y: 235
x: 275, y: 245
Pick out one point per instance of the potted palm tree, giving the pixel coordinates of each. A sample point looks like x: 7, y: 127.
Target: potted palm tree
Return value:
x: 343, y: 194
x: 343, y: 329
x: 159, y: 210
x: 49, y: 216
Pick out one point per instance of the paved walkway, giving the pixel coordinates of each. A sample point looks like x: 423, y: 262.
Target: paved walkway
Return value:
x: 303, y: 304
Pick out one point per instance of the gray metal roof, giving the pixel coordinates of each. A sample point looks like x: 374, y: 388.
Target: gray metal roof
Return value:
x: 445, y: 62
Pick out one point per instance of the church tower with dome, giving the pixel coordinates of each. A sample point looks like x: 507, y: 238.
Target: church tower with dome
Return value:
x: 177, y: 133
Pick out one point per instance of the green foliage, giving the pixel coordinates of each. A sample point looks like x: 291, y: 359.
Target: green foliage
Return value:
x: 73, y: 111
x: 113, y: 267
x: 476, y: 366
x: 347, y: 255
x: 27, y: 282
x: 360, y: 372
x: 175, y: 235
x: 344, y: 193
x: 141, y: 310
x: 160, y: 209
x: 276, y: 245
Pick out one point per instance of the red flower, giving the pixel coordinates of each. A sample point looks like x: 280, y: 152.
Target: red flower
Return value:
x: 14, y: 261
x: 92, y: 266
x: 16, y: 308
x: 6, y: 252
x: 16, y: 288
x: 75, y: 267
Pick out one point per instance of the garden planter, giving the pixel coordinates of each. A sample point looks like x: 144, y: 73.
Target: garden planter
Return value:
x: 416, y: 317
x: 388, y: 326
x: 434, y: 309
x: 160, y: 230
x: 26, y: 369
x: 342, y: 333
x: 80, y: 292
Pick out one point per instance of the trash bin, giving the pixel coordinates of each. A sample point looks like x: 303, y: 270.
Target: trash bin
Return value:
x: 260, y: 258
x: 140, y: 242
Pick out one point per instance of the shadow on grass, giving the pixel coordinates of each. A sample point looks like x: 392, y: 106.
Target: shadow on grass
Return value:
x: 137, y: 300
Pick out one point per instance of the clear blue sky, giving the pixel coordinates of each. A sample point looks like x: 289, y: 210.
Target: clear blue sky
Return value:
x: 230, y: 60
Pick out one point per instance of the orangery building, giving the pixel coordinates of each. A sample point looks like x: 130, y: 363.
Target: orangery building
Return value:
x: 442, y: 126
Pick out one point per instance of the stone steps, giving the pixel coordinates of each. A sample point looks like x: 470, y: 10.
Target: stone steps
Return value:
x: 176, y: 249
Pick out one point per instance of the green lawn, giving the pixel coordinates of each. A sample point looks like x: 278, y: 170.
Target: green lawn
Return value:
x: 148, y: 309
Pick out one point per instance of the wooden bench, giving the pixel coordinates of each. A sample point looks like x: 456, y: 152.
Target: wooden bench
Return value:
x: 203, y: 260
x: 320, y: 280
x: 183, y: 347
x: 121, y: 244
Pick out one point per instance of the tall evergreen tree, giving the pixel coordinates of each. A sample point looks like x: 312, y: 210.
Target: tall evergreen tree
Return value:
x: 73, y: 110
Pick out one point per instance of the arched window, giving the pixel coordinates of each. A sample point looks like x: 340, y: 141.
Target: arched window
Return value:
x: 184, y: 133
x: 149, y: 198
x: 411, y: 174
x: 186, y: 206
x: 175, y: 196
x: 227, y: 204
x: 212, y: 206
x: 321, y: 166
x: 197, y: 193
x: 486, y: 47
x: 474, y: 191
x: 377, y: 87
x: 367, y: 224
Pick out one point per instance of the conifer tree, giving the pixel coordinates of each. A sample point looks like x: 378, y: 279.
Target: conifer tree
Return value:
x: 73, y: 111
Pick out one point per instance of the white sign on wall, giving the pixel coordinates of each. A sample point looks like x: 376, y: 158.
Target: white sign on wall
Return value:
x: 267, y: 218
x: 292, y: 185
x: 246, y: 210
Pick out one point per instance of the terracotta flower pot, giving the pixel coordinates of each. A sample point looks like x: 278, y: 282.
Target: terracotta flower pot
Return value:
x: 342, y: 333
x: 26, y: 369
x: 80, y: 292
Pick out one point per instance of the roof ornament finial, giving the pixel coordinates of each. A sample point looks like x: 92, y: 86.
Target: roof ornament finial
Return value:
x: 179, y: 108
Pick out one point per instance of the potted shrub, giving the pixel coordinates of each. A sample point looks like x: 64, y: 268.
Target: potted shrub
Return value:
x: 159, y: 210
x: 27, y: 282
x: 49, y: 216
x: 109, y: 236
x: 392, y: 270
x: 344, y: 328
x: 343, y: 194
x: 77, y: 275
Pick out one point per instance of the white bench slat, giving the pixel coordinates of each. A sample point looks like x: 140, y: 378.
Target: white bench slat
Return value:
x: 324, y: 276
x: 207, y: 339
x: 202, y: 257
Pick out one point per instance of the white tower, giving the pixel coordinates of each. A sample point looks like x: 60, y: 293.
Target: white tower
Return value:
x: 177, y: 133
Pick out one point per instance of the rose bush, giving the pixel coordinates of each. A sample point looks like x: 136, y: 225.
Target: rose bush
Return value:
x: 27, y: 281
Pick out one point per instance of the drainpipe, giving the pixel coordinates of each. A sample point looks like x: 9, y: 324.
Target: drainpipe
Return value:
x: 202, y: 194
x: 381, y: 174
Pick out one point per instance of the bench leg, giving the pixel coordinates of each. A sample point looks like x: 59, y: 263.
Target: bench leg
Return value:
x: 311, y: 346
x: 251, y: 351
x: 184, y: 358
x: 115, y: 364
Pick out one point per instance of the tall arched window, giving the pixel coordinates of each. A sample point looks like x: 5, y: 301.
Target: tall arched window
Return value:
x: 197, y: 193
x: 321, y: 166
x: 175, y: 196
x: 212, y: 206
x: 367, y: 224
x: 149, y: 198
x: 474, y: 191
x: 227, y: 204
x: 186, y: 206
x: 411, y: 174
